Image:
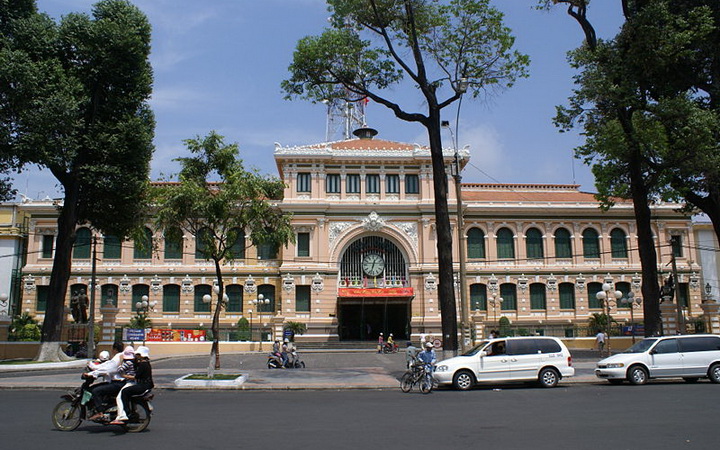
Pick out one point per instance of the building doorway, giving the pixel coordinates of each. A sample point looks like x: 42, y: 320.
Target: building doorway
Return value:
x: 362, y: 319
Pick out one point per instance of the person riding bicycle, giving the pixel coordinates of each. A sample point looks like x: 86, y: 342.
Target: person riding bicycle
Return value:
x: 427, y: 356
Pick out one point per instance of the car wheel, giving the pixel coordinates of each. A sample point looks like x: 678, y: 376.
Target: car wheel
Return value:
x: 691, y: 379
x: 637, y: 375
x: 548, y: 377
x: 463, y: 380
x: 714, y: 373
x: 615, y: 381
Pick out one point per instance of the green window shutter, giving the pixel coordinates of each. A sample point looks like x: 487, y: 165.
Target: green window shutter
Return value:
x: 478, y: 297
x: 567, y: 296
x: 143, y: 247
x: 563, y: 246
x: 505, y: 244
x: 171, y: 298
x: 475, y: 243
x: 235, y: 298
x: 534, y: 244
x: 537, y: 296
x: 303, y: 244
x: 200, y: 291
x: 593, y: 289
x: 302, y: 298
x: 112, y: 248
x: 508, y: 292
x: 618, y: 244
x: 591, y: 244
x: 81, y: 248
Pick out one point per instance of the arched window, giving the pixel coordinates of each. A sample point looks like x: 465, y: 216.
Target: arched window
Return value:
x: 203, y: 243
x: 112, y: 248
x: 173, y: 244
x: 268, y: 293
x: 534, y: 244
x: 592, y: 290
x: 478, y: 297
x: 475, y: 243
x: 171, y: 298
x: 81, y: 248
x: 267, y: 251
x: 618, y: 243
x: 235, y: 298
x: 200, y: 291
x: 237, y: 249
x: 143, y: 246
x: 138, y: 290
x: 537, y: 296
x: 508, y: 292
x: 591, y: 243
x: 563, y: 245
x: 567, y: 296
x: 505, y: 244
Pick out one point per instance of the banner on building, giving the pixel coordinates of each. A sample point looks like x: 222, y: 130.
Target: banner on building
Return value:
x: 381, y: 292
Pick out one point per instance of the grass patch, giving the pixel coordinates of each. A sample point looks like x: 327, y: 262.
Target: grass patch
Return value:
x: 218, y: 376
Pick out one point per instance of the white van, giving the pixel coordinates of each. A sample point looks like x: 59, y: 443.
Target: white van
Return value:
x: 535, y: 358
x: 690, y: 357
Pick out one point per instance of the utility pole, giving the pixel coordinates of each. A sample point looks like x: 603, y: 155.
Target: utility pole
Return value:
x: 91, y: 316
x: 676, y: 285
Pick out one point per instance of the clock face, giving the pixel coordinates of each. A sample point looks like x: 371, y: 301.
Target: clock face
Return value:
x: 373, y: 264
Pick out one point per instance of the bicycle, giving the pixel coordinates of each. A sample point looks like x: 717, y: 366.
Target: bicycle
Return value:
x: 420, y: 374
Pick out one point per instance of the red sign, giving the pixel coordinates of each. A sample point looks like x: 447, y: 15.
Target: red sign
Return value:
x: 385, y: 292
x: 175, y: 335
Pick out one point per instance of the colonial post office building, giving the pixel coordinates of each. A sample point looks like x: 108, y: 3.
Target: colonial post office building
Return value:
x: 365, y: 257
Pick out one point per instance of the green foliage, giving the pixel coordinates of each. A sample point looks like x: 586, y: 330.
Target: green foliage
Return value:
x: 140, y: 322
x: 504, y: 324
x: 599, y: 322
x: 24, y: 327
x: 297, y: 328
x: 243, y: 329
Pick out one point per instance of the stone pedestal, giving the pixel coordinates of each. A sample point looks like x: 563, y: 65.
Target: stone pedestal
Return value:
x: 668, y: 314
x: 109, y: 314
x: 478, y: 323
x: 277, y: 327
x: 710, y: 315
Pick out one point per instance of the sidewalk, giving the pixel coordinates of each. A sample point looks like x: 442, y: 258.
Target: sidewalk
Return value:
x: 325, y: 370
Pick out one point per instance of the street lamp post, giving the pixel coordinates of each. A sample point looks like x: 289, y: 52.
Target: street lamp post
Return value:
x: 143, y: 308
x: 604, y: 297
x: 258, y: 302
x: 631, y: 301
x: 496, y: 302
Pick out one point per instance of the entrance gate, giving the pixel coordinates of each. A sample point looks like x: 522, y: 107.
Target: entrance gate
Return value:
x: 362, y: 319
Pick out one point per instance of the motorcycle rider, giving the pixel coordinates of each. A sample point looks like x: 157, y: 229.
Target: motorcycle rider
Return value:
x: 113, y: 371
x: 139, y: 382
x: 390, y: 343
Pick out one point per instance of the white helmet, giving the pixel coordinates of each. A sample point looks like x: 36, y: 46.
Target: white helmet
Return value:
x: 429, y: 345
x: 104, y: 355
x: 143, y: 351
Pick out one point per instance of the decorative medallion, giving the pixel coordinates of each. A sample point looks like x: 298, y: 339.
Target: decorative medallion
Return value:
x: 523, y: 282
x: 430, y: 282
x: 317, y: 283
x: 125, y: 284
x: 29, y: 283
x: 250, y: 286
x: 155, y: 284
x: 187, y: 285
x: 580, y: 282
x: 288, y: 283
x: 336, y: 229
x: 552, y: 283
x: 373, y: 222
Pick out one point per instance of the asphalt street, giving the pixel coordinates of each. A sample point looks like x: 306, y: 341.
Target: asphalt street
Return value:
x: 657, y: 416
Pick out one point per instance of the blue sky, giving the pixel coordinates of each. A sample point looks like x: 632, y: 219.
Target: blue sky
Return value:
x: 218, y: 65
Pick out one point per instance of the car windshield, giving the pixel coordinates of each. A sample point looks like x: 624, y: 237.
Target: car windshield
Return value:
x: 641, y: 346
x: 475, y: 349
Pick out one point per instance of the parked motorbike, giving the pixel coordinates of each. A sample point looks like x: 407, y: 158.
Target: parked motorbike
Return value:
x: 77, y: 406
x: 275, y: 361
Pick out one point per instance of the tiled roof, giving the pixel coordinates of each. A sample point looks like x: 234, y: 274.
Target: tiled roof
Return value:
x: 555, y: 193
x: 370, y: 144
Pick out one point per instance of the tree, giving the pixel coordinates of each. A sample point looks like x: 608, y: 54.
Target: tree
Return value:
x: 443, y: 47
x: 73, y: 99
x: 219, y: 214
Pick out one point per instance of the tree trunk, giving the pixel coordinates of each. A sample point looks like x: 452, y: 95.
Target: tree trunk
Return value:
x: 214, y: 362
x: 646, y: 248
x: 62, y: 263
x: 446, y: 291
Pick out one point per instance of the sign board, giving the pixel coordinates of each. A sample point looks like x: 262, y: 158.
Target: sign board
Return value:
x: 164, y: 335
x: 381, y: 292
x: 134, y: 334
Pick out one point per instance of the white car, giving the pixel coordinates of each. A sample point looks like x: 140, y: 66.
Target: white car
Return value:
x: 690, y: 356
x: 535, y: 358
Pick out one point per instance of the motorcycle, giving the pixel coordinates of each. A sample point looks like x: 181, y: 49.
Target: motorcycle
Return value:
x: 390, y: 348
x: 275, y: 361
x: 77, y: 406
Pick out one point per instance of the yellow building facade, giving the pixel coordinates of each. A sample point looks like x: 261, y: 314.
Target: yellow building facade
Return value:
x: 365, y: 257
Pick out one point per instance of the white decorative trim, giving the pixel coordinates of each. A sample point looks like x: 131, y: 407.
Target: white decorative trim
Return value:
x: 318, y: 284
x: 288, y: 283
x: 410, y: 229
x: 187, y: 285
x: 125, y: 284
x: 155, y: 284
x: 430, y: 282
x: 373, y: 222
x: 336, y: 229
x: 29, y: 283
x: 250, y: 286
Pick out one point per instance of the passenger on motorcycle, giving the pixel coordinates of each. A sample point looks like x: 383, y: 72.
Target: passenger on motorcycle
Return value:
x: 139, y: 382
x: 284, y: 354
x: 110, y: 370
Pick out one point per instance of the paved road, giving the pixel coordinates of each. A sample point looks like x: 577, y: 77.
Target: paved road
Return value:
x: 324, y: 370
x: 659, y: 416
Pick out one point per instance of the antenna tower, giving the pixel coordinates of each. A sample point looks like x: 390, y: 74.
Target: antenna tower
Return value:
x: 343, y: 117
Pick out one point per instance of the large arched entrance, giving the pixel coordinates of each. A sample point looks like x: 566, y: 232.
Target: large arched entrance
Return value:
x: 375, y: 294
